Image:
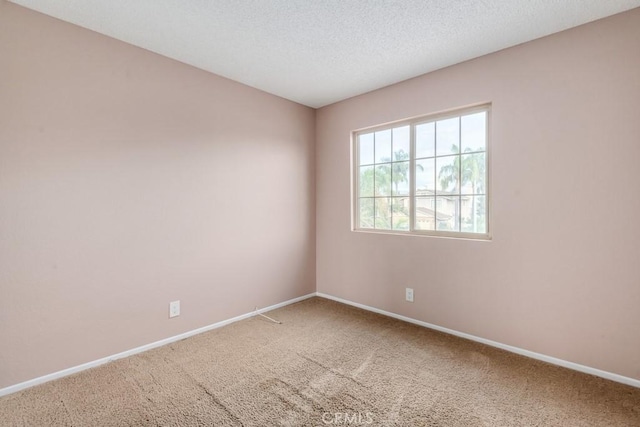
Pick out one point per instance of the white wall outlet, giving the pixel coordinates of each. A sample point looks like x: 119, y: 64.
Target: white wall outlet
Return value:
x: 409, y: 294
x: 174, y: 309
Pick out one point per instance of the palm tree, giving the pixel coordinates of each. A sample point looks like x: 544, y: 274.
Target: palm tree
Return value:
x: 400, y: 169
x: 449, y: 174
x: 377, y: 181
x: 471, y: 172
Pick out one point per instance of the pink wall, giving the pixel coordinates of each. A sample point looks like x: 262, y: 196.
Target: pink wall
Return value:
x: 561, y: 276
x: 128, y: 180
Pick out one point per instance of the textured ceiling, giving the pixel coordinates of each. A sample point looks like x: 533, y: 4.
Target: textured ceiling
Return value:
x: 317, y: 52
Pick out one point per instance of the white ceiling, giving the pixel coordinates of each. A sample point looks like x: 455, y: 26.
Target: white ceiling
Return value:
x: 317, y: 52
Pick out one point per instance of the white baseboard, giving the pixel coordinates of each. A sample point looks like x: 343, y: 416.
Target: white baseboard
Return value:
x: 554, y: 361
x: 93, y: 364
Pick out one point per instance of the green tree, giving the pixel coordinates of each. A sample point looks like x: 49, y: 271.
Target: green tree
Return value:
x: 377, y: 181
x: 383, y: 183
x: 470, y: 172
x: 400, y: 169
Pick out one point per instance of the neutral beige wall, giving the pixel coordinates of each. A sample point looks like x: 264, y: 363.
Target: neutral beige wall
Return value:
x: 562, y: 274
x: 128, y: 180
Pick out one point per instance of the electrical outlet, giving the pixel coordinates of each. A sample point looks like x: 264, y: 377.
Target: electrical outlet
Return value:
x: 409, y: 294
x: 174, y: 309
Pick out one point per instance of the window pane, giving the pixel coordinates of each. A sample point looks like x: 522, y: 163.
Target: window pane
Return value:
x: 474, y: 214
x: 401, y: 143
x: 383, y: 146
x: 474, y: 132
x: 425, y: 177
x: 447, y: 174
x: 366, y: 181
x: 425, y: 140
x: 447, y: 213
x: 400, y: 213
x: 383, y: 180
x: 426, y: 174
x: 366, y: 213
x: 448, y: 136
x: 383, y: 213
x: 365, y: 144
x: 473, y: 173
x: 400, y: 176
x: 424, y: 211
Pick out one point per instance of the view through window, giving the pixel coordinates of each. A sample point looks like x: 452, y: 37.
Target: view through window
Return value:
x: 425, y: 176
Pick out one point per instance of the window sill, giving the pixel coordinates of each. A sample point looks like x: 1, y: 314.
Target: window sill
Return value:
x: 485, y: 237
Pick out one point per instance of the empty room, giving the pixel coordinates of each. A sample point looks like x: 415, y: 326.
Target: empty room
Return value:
x: 319, y: 213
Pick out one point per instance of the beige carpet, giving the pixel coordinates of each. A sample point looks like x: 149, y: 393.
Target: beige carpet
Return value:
x: 327, y: 364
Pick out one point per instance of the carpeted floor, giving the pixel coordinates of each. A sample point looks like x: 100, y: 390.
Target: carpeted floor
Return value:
x: 326, y: 364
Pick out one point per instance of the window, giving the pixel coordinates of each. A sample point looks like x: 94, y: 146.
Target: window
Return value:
x: 424, y: 176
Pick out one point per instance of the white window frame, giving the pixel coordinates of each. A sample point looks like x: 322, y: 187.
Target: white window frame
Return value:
x: 413, y: 122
